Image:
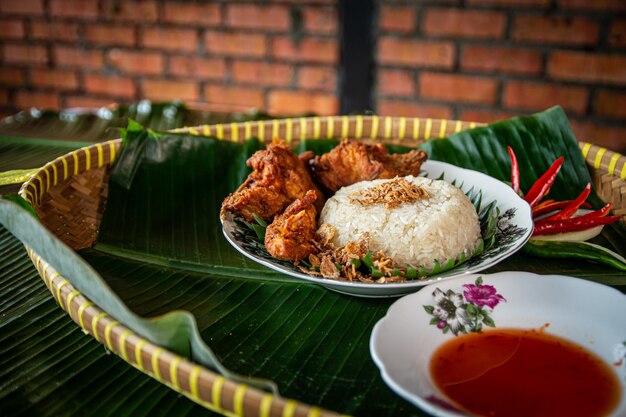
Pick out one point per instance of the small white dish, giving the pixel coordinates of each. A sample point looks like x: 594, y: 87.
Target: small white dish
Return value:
x: 586, y: 313
x: 515, y: 226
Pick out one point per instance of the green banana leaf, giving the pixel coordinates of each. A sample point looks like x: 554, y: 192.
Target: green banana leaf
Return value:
x: 104, y: 123
x: 311, y: 342
x: 174, y: 330
x: 538, y: 141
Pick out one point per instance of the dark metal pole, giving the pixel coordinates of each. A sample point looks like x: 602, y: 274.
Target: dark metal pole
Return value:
x: 356, y: 62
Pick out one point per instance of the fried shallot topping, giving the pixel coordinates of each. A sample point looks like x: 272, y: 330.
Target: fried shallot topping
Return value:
x: 390, y: 193
x: 342, y: 263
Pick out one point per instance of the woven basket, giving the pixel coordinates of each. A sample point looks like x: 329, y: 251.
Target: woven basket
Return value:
x: 69, y: 194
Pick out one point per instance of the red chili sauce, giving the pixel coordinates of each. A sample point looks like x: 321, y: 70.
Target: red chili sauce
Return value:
x: 515, y: 373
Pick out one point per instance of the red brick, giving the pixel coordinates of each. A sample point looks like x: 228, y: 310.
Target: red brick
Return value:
x: 262, y: 73
x: 74, y: 8
x: 11, y: 76
x: 189, y: 66
x: 320, y: 20
x: 540, y: 96
x: 458, y: 23
x: 617, y: 34
x: 170, y: 39
x: 203, y: 14
x: 57, y: 79
x: 511, y: 3
x: 12, y: 29
x: 250, y: 16
x: 4, y: 98
x: 317, y: 78
x: 235, y: 44
x: 87, y: 102
x: 595, y: 5
x: 25, y: 54
x: 413, y: 109
x: 458, y: 88
x: 110, y: 86
x: 53, y: 31
x: 26, y: 99
x: 71, y: 57
x: 27, y: 7
x: 298, y: 102
x: 307, y: 50
x: 110, y: 34
x: 234, y: 97
x: 611, y: 104
x: 416, y: 53
x: 130, y: 11
x: 136, y: 62
x: 555, y: 29
x: 486, y: 116
x: 581, y: 66
x: 396, y: 82
x: 606, y: 136
x: 501, y: 59
x: 397, y: 19
x: 170, y: 90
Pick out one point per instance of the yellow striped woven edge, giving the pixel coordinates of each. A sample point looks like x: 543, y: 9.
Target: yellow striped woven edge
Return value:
x: 384, y: 128
x: 604, y: 160
x: 608, y: 170
x: 201, y: 385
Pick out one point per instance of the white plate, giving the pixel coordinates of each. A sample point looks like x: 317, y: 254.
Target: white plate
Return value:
x: 589, y: 314
x: 515, y: 227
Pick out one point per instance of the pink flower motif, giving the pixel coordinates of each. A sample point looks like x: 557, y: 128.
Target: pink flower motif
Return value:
x: 442, y: 324
x: 482, y: 295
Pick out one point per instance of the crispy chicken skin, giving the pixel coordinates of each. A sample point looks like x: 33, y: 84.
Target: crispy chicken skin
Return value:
x: 291, y: 236
x: 351, y: 162
x: 278, y: 178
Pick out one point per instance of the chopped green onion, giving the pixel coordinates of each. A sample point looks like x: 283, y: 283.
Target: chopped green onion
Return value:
x: 259, y: 220
x: 411, y: 273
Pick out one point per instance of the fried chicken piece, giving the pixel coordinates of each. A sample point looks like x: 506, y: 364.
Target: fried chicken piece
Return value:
x: 351, y: 162
x: 291, y: 236
x: 278, y: 178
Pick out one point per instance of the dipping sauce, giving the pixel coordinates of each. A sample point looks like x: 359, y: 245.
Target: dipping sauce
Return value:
x: 515, y: 373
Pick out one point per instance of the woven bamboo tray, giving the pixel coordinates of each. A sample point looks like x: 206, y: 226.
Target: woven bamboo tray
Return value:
x: 69, y: 194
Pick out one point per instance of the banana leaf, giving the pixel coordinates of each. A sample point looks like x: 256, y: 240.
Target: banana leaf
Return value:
x: 538, y: 141
x: 82, y: 124
x: 311, y: 342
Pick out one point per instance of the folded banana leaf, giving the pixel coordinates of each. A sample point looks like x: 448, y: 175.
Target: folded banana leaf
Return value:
x: 160, y: 248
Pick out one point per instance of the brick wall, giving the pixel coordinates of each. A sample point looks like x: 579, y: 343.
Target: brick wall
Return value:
x: 484, y: 60
x: 477, y: 60
x: 231, y: 56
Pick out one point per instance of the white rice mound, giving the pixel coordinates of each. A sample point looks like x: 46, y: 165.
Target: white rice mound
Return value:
x: 440, y: 227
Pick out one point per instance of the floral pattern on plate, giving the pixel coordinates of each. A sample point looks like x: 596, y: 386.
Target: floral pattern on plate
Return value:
x: 466, y: 312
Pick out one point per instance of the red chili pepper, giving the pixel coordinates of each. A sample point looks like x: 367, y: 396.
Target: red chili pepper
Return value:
x: 550, y: 205
x: 598, y: 213
x: 514, y: 170
x: 571, y: 208
x: 571, y: 225
x: 542, y: 186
